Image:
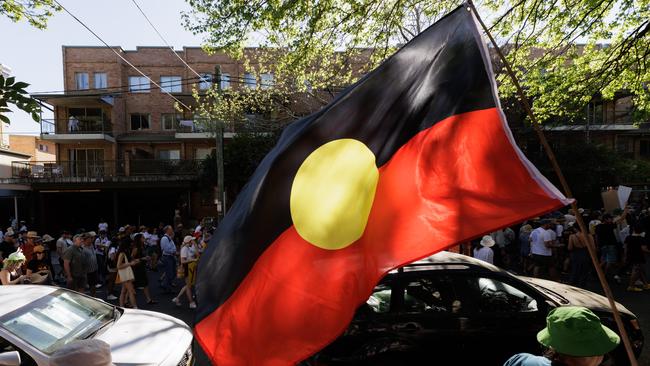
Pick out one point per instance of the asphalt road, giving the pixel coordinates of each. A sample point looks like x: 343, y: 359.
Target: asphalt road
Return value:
x: 636, y: 302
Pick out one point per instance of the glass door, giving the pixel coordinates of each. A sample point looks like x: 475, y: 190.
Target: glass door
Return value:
x: 86, y: 162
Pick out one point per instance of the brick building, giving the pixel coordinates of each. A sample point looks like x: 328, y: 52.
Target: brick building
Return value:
x: 37, y: 148
x: 123, y: 151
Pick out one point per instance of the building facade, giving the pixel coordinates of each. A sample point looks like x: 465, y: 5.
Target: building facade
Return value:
x: 124, y: 151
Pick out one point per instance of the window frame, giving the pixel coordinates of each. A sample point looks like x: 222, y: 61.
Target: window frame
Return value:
x: 169, y: 86
x: 225, y: 81
x: 206, y: 81
x: 77, y: 80
x: 105, y: 79
x: 250, y: 81
x: 139, y: 87
x: 148, y: 115
x: 176, y: 116
x: 269, y: 82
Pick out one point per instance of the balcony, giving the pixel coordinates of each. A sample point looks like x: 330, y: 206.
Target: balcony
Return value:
x: 200, y: 128
x: 105, y: 170
x: 75, y: 129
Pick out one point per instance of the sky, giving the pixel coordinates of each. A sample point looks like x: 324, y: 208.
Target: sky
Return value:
x: 35, y: 56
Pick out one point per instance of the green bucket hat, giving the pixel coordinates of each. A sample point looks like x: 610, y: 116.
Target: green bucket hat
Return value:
x: 577, y: 331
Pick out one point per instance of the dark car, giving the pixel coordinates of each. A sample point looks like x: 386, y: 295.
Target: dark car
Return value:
x: 450, y: 309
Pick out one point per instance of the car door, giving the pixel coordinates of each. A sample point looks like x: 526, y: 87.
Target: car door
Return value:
x: 25, y: 358
x: 430, y: 314
x: 504, y: 319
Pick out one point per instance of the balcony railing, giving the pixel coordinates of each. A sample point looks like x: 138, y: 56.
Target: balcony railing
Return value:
x: 76, y: 126
x: 104, y: 169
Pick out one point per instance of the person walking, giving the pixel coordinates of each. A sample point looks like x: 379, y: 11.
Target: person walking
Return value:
x: 102, y: 242
x: 75, y: 265
x: 541, y: 249
x: 485, y: 252
x: 168, y: 258
x: 189, y: 260
x: 125, y: 275
x: 574, y: 336
x: 579, y: 254
x: 140, y: 268
x: 111, y: 268
x: 524, y: 248
x: 91, y: 258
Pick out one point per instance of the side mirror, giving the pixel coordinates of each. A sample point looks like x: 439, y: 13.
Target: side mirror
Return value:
x: 10, y: 358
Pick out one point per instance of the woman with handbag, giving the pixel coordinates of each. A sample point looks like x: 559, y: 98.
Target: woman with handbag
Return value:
x: 189, y: 260
x: 140, y: 269
x: 125, y: 274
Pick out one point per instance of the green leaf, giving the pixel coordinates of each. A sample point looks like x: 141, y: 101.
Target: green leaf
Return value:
x: 4, y: 118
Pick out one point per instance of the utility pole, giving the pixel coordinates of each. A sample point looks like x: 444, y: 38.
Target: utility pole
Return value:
x: 221, y: 196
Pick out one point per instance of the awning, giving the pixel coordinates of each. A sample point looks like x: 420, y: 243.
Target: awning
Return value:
x: 76, y: 99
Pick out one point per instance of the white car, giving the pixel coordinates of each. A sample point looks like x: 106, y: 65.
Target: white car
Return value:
x: 37, y: 320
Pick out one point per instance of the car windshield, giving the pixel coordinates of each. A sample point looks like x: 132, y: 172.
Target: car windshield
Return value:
x: 57, y: 319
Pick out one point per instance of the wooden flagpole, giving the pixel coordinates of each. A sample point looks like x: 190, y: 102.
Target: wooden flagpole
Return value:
x: 567, y: 191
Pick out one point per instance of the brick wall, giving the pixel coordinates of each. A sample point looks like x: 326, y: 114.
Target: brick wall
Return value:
x: 29, y: 145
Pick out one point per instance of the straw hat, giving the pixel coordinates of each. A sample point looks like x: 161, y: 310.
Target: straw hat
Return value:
x: 32, y: 234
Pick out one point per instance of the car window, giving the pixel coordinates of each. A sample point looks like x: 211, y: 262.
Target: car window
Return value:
x: 25, y: 359
x: 379, y: 301
x: 57, y: 319
x: 500, y: 297
x: 432, y: 295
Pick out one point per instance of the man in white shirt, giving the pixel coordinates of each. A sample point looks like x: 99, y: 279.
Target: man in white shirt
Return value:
x: 541, y: 244
x: 103, y: 225
x: 168, y: 259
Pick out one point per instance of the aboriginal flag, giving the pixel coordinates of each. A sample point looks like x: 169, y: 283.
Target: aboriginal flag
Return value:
x: 413, y: 158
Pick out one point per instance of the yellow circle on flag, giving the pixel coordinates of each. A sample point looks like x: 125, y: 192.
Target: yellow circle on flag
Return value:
x: 333, y: 192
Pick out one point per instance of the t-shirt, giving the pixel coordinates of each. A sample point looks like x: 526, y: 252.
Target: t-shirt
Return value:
x: 101, y: 244
x: 78, y: 261
x: 103, y: 226
x: 62, y: 244
x: 635, y: 254
x: 537, y: 239
x: 189, y: 252
x: 526, y: 359
x: 485, y: 254
x: 36, y: 265
x: 605, y: 234
x: 167, y: 245
x: 91, y: 258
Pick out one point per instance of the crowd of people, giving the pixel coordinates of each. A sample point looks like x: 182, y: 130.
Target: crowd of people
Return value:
x: 87, y: 260
x: 555, y: 247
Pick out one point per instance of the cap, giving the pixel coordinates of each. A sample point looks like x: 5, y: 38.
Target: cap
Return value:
x: 188, y: 239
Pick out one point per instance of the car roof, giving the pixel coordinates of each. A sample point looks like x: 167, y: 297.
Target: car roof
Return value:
x: 17, y: 296
x: 451, y: 261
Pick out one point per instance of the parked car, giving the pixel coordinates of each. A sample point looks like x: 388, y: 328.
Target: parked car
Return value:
x: 35, y: 321
x: 451, y: 309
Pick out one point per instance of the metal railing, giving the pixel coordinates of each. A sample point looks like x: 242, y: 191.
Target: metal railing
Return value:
x: 76, y: 126
x: 102, y: 169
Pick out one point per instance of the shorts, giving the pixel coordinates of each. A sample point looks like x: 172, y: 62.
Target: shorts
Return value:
x: 190, y: 274
x: 79, y: 282
x: 545, y: 261
x: 608, y: 254
x: 92, y: 278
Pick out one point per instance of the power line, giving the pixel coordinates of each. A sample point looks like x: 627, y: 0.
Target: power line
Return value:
x: 118, y: 54
x: 164, y: 40
x: 107, y: 89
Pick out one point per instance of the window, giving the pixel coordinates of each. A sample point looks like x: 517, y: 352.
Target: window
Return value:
x: 250, y: 81
x: 171, y: 84
x: 81, y: 80
x: 499, y: 297
x: 169, y: 121
x: 432, y: 295
x: 139, y: 84
x: 101, y: 82
x: 169, y: 154
x: 42, y: 147
x: 139, y: 121
x: 203, y: 153
x: 266, y: 80
x: 379, y: 301
x: 206, y: 81
x: 225, y: 81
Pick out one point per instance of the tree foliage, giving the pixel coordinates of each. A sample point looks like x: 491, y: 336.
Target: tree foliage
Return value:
x: 12, y: 92
x: 565, y: 52
x: 36, y: 12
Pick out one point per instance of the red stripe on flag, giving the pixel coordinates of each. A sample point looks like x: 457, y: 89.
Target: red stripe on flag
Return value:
x: 455, y: 181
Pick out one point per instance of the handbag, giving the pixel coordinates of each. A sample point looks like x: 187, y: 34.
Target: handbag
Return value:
x: 180, y: 271
x: 124, y: 274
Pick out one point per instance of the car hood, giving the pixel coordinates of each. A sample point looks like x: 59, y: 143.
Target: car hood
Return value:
x: 141, y: 337
x: 577, y: 296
